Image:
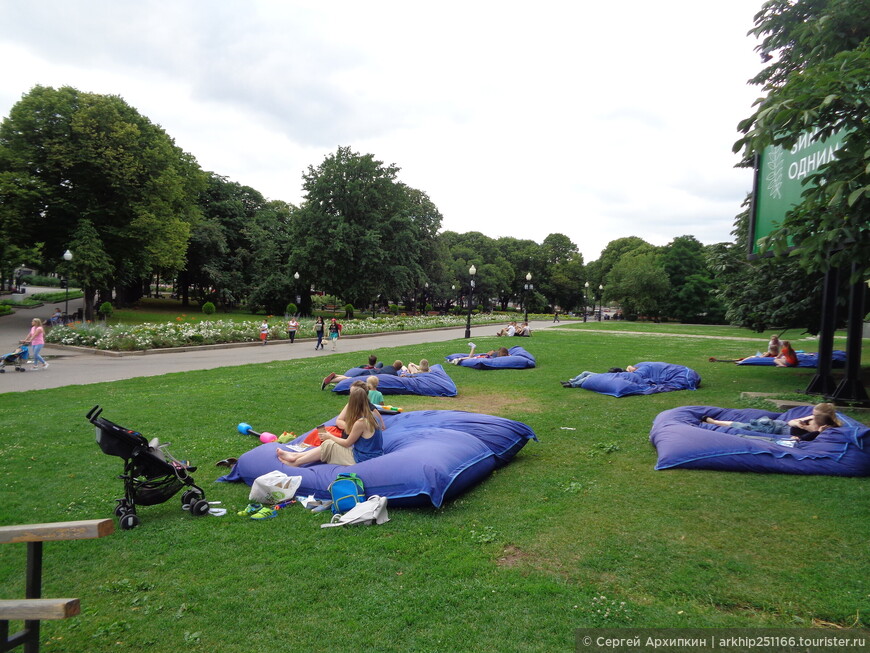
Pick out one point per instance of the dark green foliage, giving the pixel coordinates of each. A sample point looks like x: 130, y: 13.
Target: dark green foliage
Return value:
x: 66, y: 155
x: 766, y: 292
x: 817, y: 82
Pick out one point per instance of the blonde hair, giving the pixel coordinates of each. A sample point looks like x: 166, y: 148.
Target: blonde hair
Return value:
x: 372, y: 382
x: 36, y: 322
x: 828, y: 413
x: 358, y: 408
x: 424, y: 365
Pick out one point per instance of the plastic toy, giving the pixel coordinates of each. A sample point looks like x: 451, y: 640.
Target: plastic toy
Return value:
x: 388, y: 409
x: 265, y: 436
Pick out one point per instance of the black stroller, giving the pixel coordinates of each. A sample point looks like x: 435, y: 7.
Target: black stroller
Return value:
x: 17, y: 358
x: 151, y: 474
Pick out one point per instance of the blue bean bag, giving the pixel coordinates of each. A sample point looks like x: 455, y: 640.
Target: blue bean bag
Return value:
x: 430, y: 456
x: 683, y: 441
x: 434, y: 383
x: 519, y: 359
x: 838, y: 359
x: 649, y: 378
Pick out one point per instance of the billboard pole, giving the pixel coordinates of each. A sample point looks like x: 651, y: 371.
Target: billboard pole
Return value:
x: 851, y: 388
x: 823, y: 383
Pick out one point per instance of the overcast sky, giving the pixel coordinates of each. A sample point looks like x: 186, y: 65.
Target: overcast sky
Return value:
x: 518, y: 119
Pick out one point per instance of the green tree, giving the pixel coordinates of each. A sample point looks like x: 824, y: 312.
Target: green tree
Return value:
x: 817, y: 81
x: 67, y: 155
x: 598, y: 270
x: 360, y: 233
x: 766, y: 292
x: 693, y: 297
x: 638, y: 283
x: 90, y: 265
x: 563, y: 272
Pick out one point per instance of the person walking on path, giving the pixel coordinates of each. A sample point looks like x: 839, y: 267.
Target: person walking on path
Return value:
x: 292, y: 328
x: 264, y: 331
x: 35, y: 341
x: 318, y: 331
x: 334, y: 332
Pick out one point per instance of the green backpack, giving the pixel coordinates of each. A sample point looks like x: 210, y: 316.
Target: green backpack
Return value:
x: 346, y: 491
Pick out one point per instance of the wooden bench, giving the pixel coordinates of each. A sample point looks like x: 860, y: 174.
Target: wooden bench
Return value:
x: 33, y: 608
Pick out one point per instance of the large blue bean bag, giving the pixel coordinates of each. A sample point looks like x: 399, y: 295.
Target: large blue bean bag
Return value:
x: 518, y: 359
x: 434, y: 383
x: 649, y: 378
x: 683, y: 441
x: 430, y: 456
x: 838, y: 359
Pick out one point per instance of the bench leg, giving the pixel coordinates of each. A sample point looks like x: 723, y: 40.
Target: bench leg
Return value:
x: 29, y: 635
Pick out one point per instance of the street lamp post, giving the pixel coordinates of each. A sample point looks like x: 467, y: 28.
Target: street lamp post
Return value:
x: 298, y: 294
x: 526, y: 289
x: 471, y: 272
x: 585, y: 299
x: 67, y: 256
x: 600, y: 300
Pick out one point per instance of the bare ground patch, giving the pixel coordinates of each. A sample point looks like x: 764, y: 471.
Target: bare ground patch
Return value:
x: 487, y: 402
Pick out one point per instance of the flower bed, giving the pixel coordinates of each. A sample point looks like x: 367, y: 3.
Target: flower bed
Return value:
x: 139, y: 337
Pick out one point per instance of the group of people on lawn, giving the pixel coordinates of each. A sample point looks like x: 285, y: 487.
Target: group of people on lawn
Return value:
x: 514, y: 329
x: 362, y: 425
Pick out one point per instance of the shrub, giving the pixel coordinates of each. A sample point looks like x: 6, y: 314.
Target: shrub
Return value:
x: 429, y: 308
x: 106, y: 309
x: 291, y: 309
x: 348, y: 311
x: 208, y: 308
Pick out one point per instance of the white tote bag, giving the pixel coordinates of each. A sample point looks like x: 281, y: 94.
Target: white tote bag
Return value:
x: 274, y: 487
x: 371, y: 511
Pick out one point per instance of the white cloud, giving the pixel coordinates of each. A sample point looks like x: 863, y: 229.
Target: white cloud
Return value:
x: 517, y: 119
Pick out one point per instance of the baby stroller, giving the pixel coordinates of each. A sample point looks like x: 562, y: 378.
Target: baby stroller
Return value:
x: 151, y: 474
x: 18, y: 358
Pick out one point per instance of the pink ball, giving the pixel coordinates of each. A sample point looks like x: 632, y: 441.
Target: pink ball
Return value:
x: 265, y: 437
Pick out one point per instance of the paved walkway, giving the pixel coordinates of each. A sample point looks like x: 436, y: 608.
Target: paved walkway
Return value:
x: 76, y: 367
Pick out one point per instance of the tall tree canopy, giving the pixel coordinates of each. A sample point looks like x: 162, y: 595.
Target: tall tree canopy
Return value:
x: 66, y: 155
x: 817, y: 82
x: 362, y: 233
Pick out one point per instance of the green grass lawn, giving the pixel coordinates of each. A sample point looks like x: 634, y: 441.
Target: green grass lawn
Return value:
x: 577, y: 521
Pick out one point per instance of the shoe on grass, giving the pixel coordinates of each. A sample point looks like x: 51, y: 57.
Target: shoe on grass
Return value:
x: 265, y: 513
x: 329, y: 377
x: 250, y: 509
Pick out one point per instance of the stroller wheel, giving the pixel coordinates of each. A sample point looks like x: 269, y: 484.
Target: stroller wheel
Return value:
x: 199, y: 508
x: 123, y: 508
x: 129, y: 521
x: 2, y: 370
x: 190, y: 497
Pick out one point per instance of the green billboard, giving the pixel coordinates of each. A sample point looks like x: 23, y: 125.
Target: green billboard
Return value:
x: 779, y: 176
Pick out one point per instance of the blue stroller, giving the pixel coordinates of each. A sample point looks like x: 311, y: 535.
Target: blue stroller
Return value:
x: 17, y: 358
